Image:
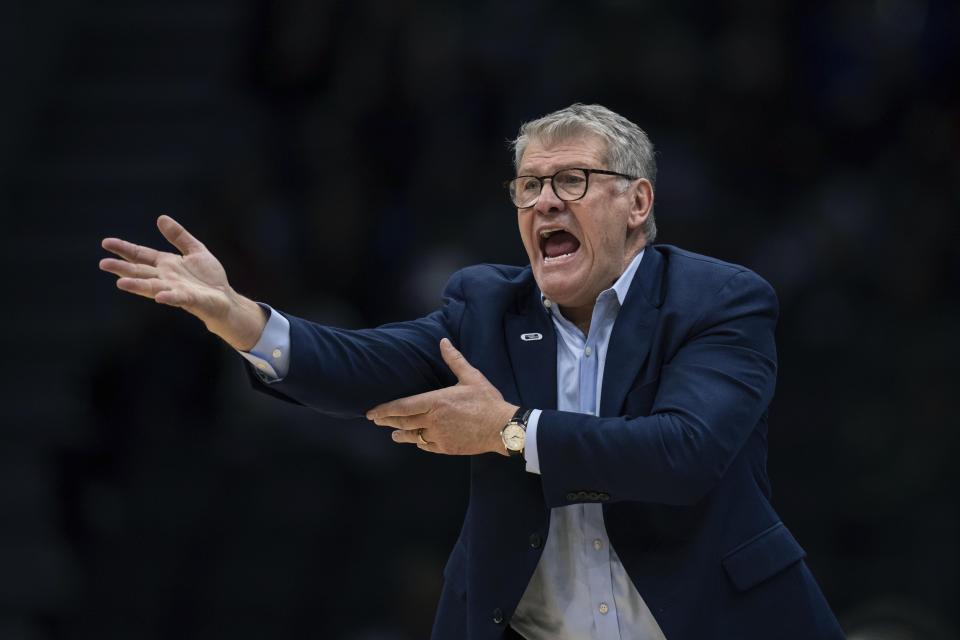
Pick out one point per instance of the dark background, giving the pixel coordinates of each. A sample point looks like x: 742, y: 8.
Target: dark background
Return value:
x: 342, y: 159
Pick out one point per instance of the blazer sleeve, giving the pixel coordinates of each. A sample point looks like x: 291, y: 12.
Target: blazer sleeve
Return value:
x: 344, y: 373
x: 712, y: 393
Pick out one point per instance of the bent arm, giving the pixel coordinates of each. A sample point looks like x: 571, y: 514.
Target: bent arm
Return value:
x: 711, y: 396
x: 346, y: 372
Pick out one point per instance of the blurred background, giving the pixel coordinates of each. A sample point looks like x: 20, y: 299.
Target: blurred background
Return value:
x: 342, y: 159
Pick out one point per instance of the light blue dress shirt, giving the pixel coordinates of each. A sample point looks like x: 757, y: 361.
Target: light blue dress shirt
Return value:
x: 580, y: 588
x: 270, y: 357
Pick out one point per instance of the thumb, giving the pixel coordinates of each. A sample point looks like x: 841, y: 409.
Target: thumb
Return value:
x: 178, y: 236
x: 464, y: 371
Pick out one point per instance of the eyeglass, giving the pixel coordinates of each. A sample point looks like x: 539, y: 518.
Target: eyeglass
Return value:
x: 568, y: 184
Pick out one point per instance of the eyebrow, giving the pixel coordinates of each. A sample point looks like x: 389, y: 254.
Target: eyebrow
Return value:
x: 530, y: 172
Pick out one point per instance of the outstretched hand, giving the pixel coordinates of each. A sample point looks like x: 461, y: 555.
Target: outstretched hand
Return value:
x: 193, y: 280
x: 464, y: 419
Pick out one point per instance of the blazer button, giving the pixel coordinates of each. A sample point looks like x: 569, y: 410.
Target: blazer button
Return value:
x: 497, y: 616
x: 604, y: 497
x: 535, y: 540
x: 571, y: 496
x: 594, y: 496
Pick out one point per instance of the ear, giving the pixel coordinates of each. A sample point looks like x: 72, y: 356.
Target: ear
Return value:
x: 641, y: 203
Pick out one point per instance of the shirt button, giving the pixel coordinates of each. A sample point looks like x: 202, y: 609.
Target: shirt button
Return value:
x: 604, y: 608
x: 588, y: 352
x: 277, y: 353
x: 598, y: 544
x: 547, y: 303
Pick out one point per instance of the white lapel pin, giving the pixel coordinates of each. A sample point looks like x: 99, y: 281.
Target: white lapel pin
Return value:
x: 530, y: 337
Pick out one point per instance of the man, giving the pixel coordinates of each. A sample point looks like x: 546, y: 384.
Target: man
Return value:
x: 612, y: 396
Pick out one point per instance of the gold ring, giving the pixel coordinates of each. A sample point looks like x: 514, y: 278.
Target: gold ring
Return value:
x: 420, y: 437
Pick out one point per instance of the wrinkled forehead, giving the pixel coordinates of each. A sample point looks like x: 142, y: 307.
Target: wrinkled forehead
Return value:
x: 577, y: 148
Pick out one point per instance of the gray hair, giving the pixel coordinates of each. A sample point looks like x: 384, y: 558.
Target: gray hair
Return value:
x: 629, y: 150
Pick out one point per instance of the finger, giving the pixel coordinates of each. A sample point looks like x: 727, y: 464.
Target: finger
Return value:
x: 406, y: 436
x: 131, y: 252
x: 413, y: 437
x: 179, y: 237
x: 177, y: 298
x: 409, y: 406
x: 126, y: 269
x: 464, y: 371
x: 404, y: 423
x: 160, y: 291
x: 148, y: 288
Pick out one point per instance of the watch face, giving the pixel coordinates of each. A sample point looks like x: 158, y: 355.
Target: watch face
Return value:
x: 514, y: 437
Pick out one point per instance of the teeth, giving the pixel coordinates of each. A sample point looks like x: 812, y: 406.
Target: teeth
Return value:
x: 548, y: 259
x: 548, y: 233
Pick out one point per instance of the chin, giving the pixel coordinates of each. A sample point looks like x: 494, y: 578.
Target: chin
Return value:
x: 563, y: 293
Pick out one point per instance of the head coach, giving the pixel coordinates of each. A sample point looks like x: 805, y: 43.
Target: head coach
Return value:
x: 612, y: 397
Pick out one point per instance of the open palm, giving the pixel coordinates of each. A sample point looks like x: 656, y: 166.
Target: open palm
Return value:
x: 193, y: 280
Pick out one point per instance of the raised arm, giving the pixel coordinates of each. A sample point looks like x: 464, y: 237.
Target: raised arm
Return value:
x: 193, y: 280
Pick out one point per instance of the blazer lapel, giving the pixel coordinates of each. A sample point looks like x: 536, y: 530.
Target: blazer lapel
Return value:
x: 632, y: 332
x: 532, y: 345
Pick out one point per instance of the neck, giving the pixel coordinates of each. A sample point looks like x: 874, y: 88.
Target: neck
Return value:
x: 580, y: 316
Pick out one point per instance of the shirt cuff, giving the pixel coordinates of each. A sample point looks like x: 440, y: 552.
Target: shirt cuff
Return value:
x: 530, y: 443
x: 270, y: 357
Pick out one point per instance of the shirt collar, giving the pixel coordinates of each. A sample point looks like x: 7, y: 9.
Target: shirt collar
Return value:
x: 620, y: 287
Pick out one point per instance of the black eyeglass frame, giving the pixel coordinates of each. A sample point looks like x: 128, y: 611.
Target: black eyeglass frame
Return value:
x: 542, y: 179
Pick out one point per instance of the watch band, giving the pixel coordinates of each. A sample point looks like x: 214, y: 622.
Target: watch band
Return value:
x: 521, y: 417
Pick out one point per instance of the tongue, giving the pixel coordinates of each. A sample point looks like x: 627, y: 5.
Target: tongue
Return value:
x: 559, y: 244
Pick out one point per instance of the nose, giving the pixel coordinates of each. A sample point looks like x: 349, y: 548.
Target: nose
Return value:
x: 548, y: 202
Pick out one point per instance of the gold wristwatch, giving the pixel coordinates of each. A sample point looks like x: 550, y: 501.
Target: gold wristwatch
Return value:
x: 514, y: 433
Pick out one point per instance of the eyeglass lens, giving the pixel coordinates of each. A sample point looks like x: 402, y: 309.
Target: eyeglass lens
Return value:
x: 568, y: 184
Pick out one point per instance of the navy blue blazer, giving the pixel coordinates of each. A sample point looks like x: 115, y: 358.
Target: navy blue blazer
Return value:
x: 677, y: 455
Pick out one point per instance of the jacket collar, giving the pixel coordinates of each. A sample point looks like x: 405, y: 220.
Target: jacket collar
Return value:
x: 534, y: 359
x: 632, y: 333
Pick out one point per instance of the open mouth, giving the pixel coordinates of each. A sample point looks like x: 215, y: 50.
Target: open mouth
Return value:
x: 557, y: 244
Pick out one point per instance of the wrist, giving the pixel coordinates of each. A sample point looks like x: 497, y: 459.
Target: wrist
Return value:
x: 245, y: 322
x: 505, y: 417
